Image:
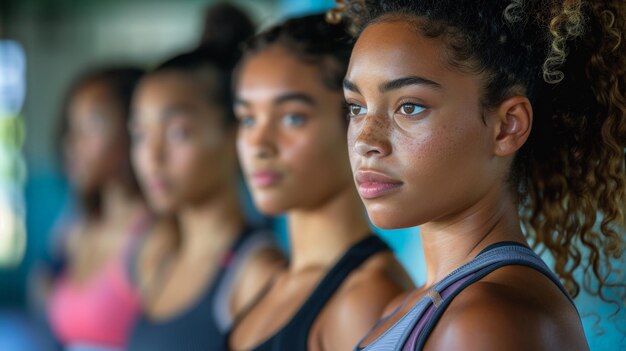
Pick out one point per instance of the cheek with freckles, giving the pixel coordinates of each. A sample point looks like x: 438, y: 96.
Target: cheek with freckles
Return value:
x: 377, y: 131
x: 437, y: 165
x: 443, y: 172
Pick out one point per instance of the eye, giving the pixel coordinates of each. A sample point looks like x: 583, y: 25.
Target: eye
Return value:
x: 246, y: 121
x: 96, y: 124
x: 356, y: 110
x: 293, y: 120
x: 136, y: 135
x: 411, y: 109
x: 177, y: 134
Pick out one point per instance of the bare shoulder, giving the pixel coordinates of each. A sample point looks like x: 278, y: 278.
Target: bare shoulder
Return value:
x: 362, y: 300
x: 515, y: 308
x: 375, y: 284
x: 382, y: 268
x: 254, y: 275
x: 262, y: 261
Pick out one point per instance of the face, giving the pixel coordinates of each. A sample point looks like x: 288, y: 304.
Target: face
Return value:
x: 291, y: 140
x: 95, y: 143
x: 182, y: 152
x: 419, y: 148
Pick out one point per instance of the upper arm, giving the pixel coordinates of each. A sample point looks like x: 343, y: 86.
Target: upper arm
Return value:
x: 355, y: 312
x: 255, y: 274
x: 490, y: 317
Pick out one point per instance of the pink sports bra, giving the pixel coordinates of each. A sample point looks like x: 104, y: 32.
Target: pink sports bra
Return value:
x: 100, y: 312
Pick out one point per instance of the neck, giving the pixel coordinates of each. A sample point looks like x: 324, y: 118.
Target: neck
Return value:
x: 457, y: 239
x: 211, y: 225
x: 118, y: 203
x: 318, y: 237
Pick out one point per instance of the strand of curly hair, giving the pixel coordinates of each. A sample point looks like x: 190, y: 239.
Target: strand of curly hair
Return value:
x: 578, y: 198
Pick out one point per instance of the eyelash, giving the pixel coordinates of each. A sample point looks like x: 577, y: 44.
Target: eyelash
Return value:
x: 245, y: 121
x: 421, y: 108
x: 349, y: 107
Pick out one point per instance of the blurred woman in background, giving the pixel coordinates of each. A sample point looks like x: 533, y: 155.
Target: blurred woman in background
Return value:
x: 292, y: 147
x: 204, y: 263
x: 92, y: 304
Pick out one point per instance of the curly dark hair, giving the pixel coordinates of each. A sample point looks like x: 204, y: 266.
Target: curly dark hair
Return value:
x: 568, y: 57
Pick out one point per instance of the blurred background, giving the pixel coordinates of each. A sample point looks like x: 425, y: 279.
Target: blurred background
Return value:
x: 44, y: 45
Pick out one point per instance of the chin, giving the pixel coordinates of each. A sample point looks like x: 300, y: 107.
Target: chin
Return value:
x: 385, y: 219
x: 269, y: 206
x: 162, y: 207
x: 270, y: 209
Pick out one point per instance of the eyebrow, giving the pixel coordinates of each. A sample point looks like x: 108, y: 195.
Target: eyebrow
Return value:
x: 166, y: 115
x: 348, y: 85
x: 298, y: 97
x: 396, y: 84
x: 282, y: 99
x: 172, y: 110
x: 240, y: 102
x: 406, y: 81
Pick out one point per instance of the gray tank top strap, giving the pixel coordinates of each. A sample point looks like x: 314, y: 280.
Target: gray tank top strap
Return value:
x: 411, y: 331
x: 252, y: 244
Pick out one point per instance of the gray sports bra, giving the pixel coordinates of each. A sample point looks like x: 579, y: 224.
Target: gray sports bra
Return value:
x: 413, y: 329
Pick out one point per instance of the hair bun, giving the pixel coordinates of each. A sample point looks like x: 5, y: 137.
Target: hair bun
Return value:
x: 226, y: 27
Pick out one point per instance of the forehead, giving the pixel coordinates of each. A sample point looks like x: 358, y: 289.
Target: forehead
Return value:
x: 92, y: 92
x: 162, y: 90
x: 167, y: 85
x: 275, y: 71
x: 164, y: 94
x: 395, y: 48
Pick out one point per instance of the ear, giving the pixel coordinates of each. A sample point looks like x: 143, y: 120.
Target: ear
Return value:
x: 514, y: 119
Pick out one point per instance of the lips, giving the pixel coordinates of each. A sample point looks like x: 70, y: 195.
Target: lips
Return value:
x: 372, y: 184
x: 265, y: 179
x: 157, y: 185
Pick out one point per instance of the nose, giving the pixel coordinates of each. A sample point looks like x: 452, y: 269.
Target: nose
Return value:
x: 261, y: 140
x: 151, y: 153
x: 372, y: 136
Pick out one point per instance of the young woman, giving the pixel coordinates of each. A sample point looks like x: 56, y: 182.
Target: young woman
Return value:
x: 93, y: 303
x: 466, y: 115
x: 292, y: 147
x: 199, y: 269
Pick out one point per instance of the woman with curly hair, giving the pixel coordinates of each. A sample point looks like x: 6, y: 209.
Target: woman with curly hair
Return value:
x: 496, y: 126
